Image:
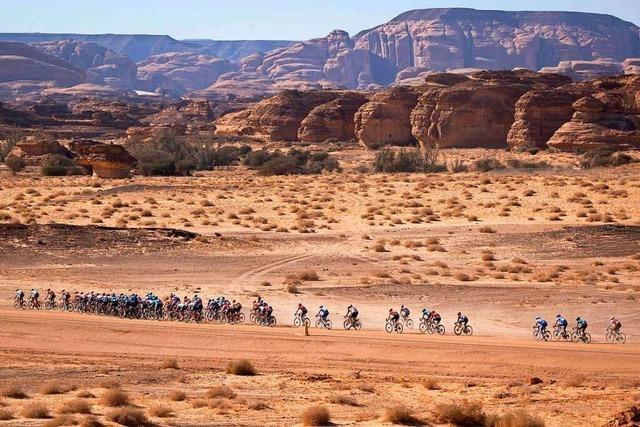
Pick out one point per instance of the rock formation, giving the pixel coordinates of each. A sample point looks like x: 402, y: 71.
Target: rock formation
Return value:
x: 21, y: 62
x: 34, y: 150
x: 195, y: 114
x: 333, y: 120
x: 607, y: 118
x: 475, y: 113
x: 586, y: 70
x: 385, y: 119
x: 105, y: 160
x: 182, y: 72
x: 274, y: 119
x: 102, y: 65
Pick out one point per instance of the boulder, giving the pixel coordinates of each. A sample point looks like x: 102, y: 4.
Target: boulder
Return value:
x: 186, y: 114
x: 334, y: 119
x: 627, y: 418
x: 385, y: 119
x: 105, y: 160
x: 276, y: 118
x: 34, y: 150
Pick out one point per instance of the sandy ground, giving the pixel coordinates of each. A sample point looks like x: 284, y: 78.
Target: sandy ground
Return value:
x: 502, y: 247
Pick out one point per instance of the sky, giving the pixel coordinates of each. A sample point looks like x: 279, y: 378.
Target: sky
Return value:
x: 251, y: 19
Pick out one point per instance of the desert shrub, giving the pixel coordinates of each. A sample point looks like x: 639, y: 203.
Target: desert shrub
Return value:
x: 486, y: 164
x: 408, y: 161
x: 316, y: 416
x: 257, y: 405
x: 75, y: 406
x: 16, y: 164
x: 527, y: 164
x: 256, y: 159
x: 575, y: 380
x: 344, y: 399
x: 240, y: 367
x: 129, y: 417
x: 53, y: 387
x: 177, y: 396
x: 61, y: 420
x: 115, y: 397
x: 514, y: 419
x: 401, y: 415
x: 160, y: 411
x: 13, y: 391
x: 221, y: 391
x: 486, y: 229
x: 309, y: 276
x: 59, y: 165
x: 604, y: 158
x: 91, y: 422
x: 281, y: 165
x: 430, y: 384
x: 5, y: 414
x: 35, y: 410
x: 170, y: 364
x: 10, y: 141
x: 465, y: 413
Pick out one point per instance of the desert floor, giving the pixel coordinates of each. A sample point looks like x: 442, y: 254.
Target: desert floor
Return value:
x: 502, y: 247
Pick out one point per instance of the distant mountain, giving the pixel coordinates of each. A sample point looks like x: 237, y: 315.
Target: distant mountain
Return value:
x: 235, y: 50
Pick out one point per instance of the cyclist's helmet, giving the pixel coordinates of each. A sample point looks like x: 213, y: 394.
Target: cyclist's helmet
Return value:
x: 391, y: 310
x: 459, y: 313
x: 299, y: 304
x: 558, y: 315
x: 612, y: 318
x: 577, y: 319
x: 537, y: 317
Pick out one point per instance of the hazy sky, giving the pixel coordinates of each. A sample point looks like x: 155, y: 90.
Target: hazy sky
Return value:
x: 251, y: 19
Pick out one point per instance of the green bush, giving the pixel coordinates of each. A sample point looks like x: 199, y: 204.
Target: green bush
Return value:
x: 59, y: 165
x: 605, y: 158
x: 256, y: 159
x: 408, y: 161
x: 16, y: 164
x: 487, y: 164
x: 294, y: 162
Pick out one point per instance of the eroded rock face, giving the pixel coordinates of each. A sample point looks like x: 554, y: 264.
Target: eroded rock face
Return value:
x: 102, y: 65
x: 385, y: 119
x: 333, y: 120
x: 609, y: 117
x: 21, y: 62
x: 34, y: 150
x: 478, y: 112
x: 188, y: 114
x: 274, y: 119
x: 586, y: 70
x: 106, y: 160
x: 182, y: 72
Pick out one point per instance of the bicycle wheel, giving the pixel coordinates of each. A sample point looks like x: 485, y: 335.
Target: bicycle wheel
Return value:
x: 252, y: 317
x: 468, y: 331
x: 297, y: 322
x: 30, y: 305
x: 586, y: 338
x: 457, y: 329
x: 546, y: 336
x: 327, y: 324
x: 399, y: 328
x: 440, y: 329
x: 422, y: 327
x: 575, y: 337
x: 357, y: 325
x: 621, y: 338
x: 272, y: 321
x: 318, y: 323
x: 16, y: 304
x: 388, y: 327
x: 409, y: 323
x: 241, y: 318
x: 346, y: 324
x: 610, y: 337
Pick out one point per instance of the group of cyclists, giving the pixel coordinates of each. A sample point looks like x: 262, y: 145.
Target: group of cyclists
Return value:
x: 225, y: 311
x: 579, y: 332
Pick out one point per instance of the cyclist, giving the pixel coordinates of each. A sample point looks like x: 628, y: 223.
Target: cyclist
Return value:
x: 462, y: 320
x: 20, y: 296
x: 34, y: 296
x: 561, y: 323
x: 435, y: 318
x: 66, y: 296
x: 404, y: 311
x: 581, y: 326
x: 352, y: 313
x: 541, y: 324
x: 302, y: 310
x: 323, y: 313
x: 425, y: 314
x: 51, y: 296
x: 614, y: 325
x: 394, y: 316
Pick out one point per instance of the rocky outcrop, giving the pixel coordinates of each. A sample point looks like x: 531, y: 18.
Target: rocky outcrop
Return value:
x: 385, y: 119
x: 102, y: 65
x: 195, y: 114
x: 586, y: 70
x: 274, y: 119
x: 34, y: 150
x: 105, y: 160
x: 333, y: 120
x: 628, y: 418
x: 182, y: 72
x: 607, y: 118
x: 21, y: 62
x: 538, y: 115
x: 478, y: 112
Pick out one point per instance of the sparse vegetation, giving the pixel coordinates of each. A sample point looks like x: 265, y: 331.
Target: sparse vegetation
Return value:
x: 465, y: 413
x: 221, y: 391
x: 316, y: 416
x: 114, y: 397
x: 240, y: 367
x: 13, y: 391
x: 514, y: 419
x: 400, y: 415
x: 75, y: 406
x: 36, y: 410
x: 129, y: 417
x: 294, y: 162
x: 408, y: 161
x: 604, y: 158
x: 177, y: 396
x: 15, y: 164
x: 160, y: 411
x: 171, y: 363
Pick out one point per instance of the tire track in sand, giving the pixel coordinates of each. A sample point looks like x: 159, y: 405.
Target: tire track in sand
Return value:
x: 251, y: 276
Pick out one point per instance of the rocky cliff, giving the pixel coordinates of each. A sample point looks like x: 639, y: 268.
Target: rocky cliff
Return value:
x: 21, y: 62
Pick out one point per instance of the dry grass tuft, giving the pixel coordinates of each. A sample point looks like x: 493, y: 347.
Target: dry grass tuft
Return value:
x: 241, y: 367
x: 109, y: 384
x: 309, y: 276
x: 401, y: 415
x: 316, y: 416
x: 465, y: 413
x: 129, y: 417
x: 36, y: 410
x: 344, y: 399
x: 576, y: 380
x: 53, y: 387
x: 91, y: 422
x: 430, y: 384
x: 177, y: 396
x: 515, y: 419
x: 75, y: 406
x: 114, y: 397
x: 86, y: 394
x: 13, y: 391
x: 61, y: 420
x: 170, y: 364
x: 199, y: 403
x: 221, y: 391
x: 486, y: 229
x: 161, y: 411
x: 257, y: 405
